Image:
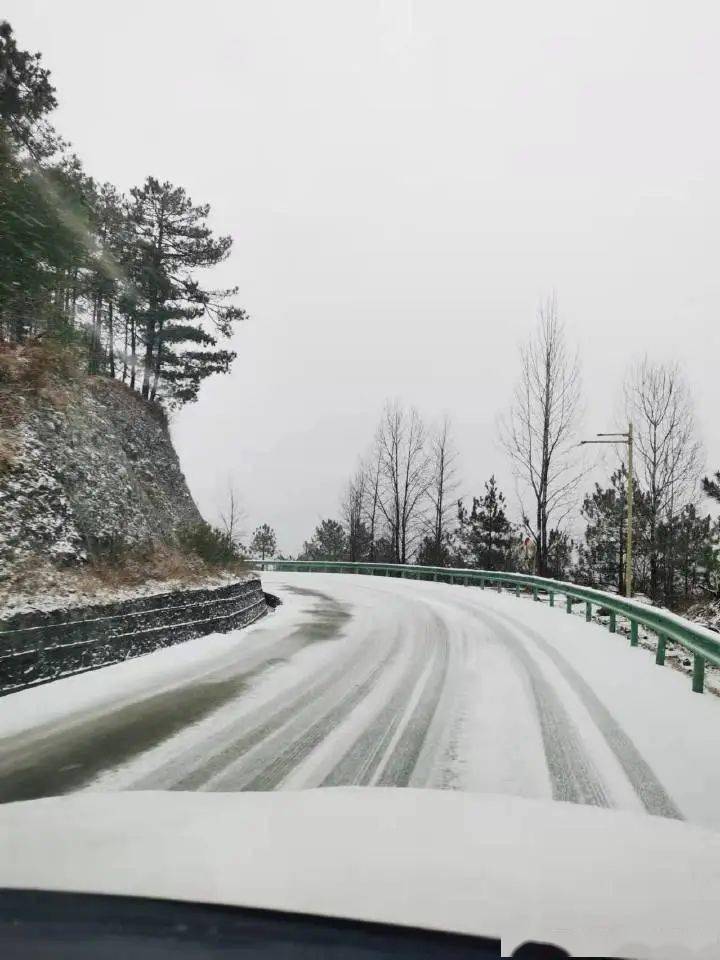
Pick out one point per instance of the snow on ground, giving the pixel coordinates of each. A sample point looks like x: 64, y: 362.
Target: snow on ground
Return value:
x: 676, y: 731
x: 160, y: 670
x: 69, y: 589
x: 706, y: 616
x: 161, y: 765
x: 373, y: 681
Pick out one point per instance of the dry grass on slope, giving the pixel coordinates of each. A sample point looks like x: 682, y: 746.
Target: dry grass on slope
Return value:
x: 34, y: 584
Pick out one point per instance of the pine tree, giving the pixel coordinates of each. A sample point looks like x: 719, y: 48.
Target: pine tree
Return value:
x: 693, y: 541
x: 26, y: 96
x: 560, y: 552
x: 485, y: 535
x: 264, y: 542
x: 44, y: 242
x: 603, y: 554
x: 329, y: 542
x: 30, y: 234
x: 711, y: 486
x: 436, y: 553
x: 172, y: 242
x: 106, y: 280
x: 83, y: 264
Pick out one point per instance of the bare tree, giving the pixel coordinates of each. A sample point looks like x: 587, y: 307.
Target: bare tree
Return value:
x: 669, y: 457
x: 441, y: 490
x: 232, y: 514
x: 539, y: 432
x: 353, y: 512
x: 404, y: 476
x: 371, y: 467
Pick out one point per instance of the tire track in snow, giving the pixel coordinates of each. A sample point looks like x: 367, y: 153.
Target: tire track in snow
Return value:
x: 651, y: 792
x: 76, y: 752
x: 403, y: 759
x: 391, y: 745
x: 60, y: 757
x: 278, y: 715
x: 275, y: 757
x: 573, y: 775
x: 366, y: 756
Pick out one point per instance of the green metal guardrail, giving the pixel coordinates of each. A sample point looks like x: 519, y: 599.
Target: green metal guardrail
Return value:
x: 702, y: 643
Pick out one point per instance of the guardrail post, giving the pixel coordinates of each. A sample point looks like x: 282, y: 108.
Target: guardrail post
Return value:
x: 482, y: 583
x: 588, y: 611
x: 633, y: 633
x: 660, y: 652
x: 499, y: 583
x: 517, y: 589
x: 465, y: 581
x: 698, y: 676
x: 535, y: 593
x: 612, y: 623
x: 568, y: 604
x: 551, y: 594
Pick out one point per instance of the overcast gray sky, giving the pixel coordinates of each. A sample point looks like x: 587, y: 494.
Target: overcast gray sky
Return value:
x: 405, y: 180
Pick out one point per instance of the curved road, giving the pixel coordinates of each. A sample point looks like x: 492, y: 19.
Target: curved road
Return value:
x: 368, y: 681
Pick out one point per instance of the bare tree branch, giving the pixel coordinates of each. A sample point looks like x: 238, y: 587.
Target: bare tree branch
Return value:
x: 669, y: 457
x: 404, y: 476
x: 539, y: 432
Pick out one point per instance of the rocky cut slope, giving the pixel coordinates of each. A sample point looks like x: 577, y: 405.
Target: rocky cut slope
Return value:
x: 87, y: 468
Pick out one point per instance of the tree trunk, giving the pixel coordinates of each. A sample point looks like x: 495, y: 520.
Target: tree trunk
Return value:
x: 158, y: 361
x: 149, y: 345
x: 111, y: 338
x: 133, y: 355
x: 125, y: 352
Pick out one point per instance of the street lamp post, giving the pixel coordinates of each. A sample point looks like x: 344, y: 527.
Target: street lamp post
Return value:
x: 626, y: 438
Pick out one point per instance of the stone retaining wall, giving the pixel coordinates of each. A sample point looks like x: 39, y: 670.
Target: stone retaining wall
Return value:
x: 42, y: 646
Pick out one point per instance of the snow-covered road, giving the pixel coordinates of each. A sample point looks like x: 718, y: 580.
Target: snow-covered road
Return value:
x: 374, y: 681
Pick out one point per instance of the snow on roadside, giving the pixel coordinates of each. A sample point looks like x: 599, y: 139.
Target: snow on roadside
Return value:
x: 676, y: 657
x: 67, y: 594
x: 214, y: 732
x: 152, y: 673
x: 676, y: 731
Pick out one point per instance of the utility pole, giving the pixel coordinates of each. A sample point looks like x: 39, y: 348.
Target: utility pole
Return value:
x: 626, y: 438
x: 629, y: 532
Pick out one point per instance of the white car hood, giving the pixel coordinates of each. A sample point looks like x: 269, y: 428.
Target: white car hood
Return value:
x: 596, y: 882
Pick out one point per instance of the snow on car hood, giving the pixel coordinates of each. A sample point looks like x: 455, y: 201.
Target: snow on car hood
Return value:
x: 597, y: 882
